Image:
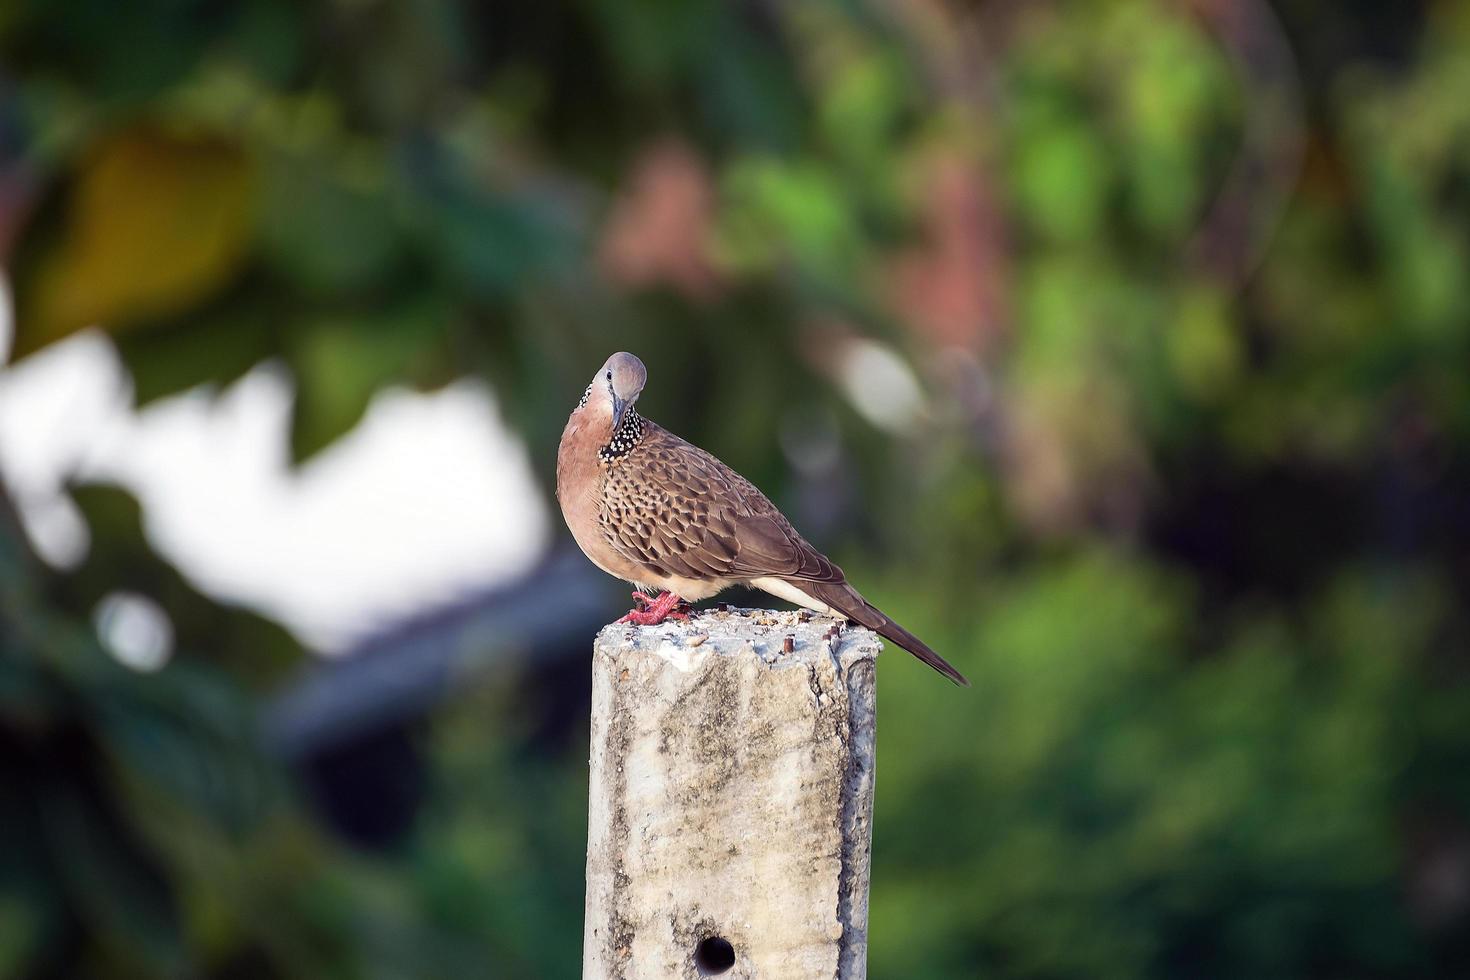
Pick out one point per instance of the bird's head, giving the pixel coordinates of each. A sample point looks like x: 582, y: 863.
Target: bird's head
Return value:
x: 616, y: 386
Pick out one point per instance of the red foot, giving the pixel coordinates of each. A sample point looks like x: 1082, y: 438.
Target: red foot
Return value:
x: 666, y: 606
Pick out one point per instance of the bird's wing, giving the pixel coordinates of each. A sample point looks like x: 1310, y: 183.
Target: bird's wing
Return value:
x: 679, y: 511
x: 676, y: 510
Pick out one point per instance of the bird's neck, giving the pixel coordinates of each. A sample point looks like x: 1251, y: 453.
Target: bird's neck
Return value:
x: 622, y: 441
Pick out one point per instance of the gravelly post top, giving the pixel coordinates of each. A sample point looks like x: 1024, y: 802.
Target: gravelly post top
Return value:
x: 731, y: 800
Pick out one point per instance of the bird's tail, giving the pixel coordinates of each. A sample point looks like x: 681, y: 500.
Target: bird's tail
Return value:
x: 850, y: 603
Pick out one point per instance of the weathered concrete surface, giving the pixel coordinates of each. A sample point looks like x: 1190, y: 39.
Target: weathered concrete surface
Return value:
x: 731, y: 796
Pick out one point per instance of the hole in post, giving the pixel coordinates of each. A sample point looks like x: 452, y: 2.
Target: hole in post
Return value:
x: 714, y: 956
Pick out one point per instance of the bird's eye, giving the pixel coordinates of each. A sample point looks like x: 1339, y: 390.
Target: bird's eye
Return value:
x: 609, y: 375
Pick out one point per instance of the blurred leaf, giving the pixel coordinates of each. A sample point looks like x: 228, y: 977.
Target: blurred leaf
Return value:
x: 156, y: 222
x: 337, y: 376
x: 191, y: 736
x: 1204, y: 352
x: 325, y: 230
x: 213, y: 347
x: 1061, y: 178
x: 115, y: 883
x: 121, y: 53
x: 1176, y: 90
x: 778, y: 211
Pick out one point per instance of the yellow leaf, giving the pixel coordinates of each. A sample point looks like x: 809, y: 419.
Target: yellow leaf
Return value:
x: 157, y: 221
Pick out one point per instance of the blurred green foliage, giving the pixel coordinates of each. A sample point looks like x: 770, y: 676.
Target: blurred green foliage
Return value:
x: 1187, y: 299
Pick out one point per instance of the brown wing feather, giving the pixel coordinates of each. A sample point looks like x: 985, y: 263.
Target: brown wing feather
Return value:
x: 677, y: 510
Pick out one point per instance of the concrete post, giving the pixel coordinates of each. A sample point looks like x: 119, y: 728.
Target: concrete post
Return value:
x: 730, y: 813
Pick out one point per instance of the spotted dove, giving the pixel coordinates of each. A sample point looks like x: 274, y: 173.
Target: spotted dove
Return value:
x: 654, y: 510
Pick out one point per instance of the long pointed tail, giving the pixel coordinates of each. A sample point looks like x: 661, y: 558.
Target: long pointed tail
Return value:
x: 848, y: 601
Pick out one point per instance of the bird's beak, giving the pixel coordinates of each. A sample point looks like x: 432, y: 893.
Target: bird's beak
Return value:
x: 619, y: 407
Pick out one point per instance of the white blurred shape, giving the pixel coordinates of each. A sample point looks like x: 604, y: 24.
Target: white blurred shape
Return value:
x: 428, y: 498
x: 880, y: 385
x: 135, y: 630
x: 56, y: 529
x: 52, y: 409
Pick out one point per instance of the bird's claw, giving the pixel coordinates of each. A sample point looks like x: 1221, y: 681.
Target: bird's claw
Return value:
x: 653, y: 611
x: 640, y: 618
